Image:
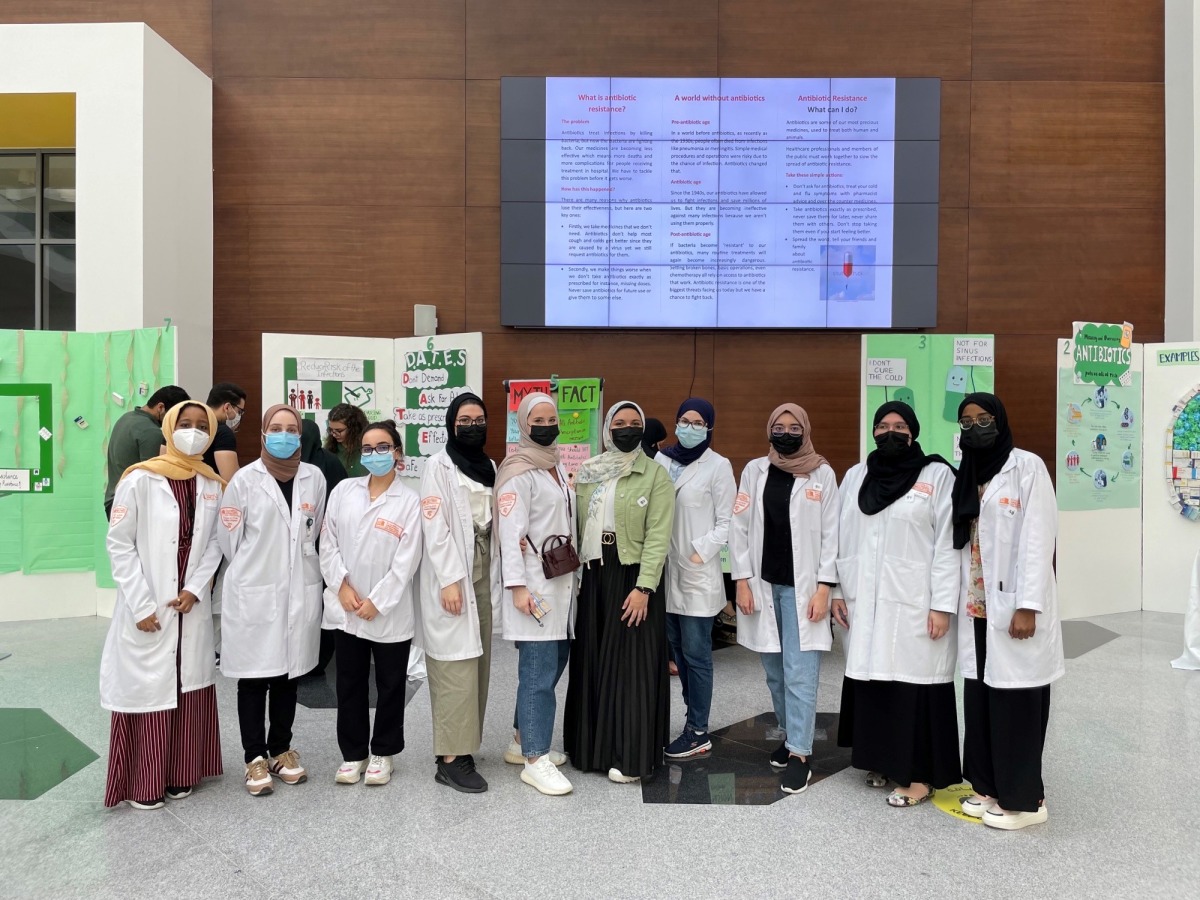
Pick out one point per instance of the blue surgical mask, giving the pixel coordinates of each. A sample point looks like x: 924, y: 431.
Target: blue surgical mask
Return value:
x: 282, y: 444
x: 691, y: 435
x: 378, y: 463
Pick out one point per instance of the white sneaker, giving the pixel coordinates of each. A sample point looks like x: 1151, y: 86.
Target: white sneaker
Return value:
x: 350, y: 772
x: 1011, y: 821
x: 977, y: 804
x: 544, y: 776
x: 615, y: 775
x: 513, y: 756
x: 379, y: 771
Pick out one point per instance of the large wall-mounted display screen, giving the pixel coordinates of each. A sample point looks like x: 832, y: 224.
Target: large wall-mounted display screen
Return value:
x: 719, y: 202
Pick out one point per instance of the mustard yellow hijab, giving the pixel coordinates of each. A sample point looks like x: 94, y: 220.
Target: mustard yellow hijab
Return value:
x: 175, y: 465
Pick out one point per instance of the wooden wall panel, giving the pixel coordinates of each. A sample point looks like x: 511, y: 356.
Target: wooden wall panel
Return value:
x: 330, y: 39
x: 483, y: 269
x: 955, y: 146
x: 1066, y: 144
x: 568, y: 37
x: 1027, y: 383
x: 328, y: 141
x: 819, y: 38
x: 184, y: 24
x: 483, y: 143
x: 1035, y: 271
x: 1068, y: 40
x: 952, y: 270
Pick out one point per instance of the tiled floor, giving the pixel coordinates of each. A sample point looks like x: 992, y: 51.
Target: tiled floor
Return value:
x: 1121, y: 763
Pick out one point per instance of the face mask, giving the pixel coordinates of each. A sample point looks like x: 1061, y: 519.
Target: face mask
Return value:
x: 190, y: 441
x: 471, y: 435
x: 787, y: 444
x: 544, y: 435
x: 378, y: 463
x: 627, y: 439
x: 235, y: 420
x: 691, y: 435
x: 282, y: 445
x: 892, y: 443
x: 979, y: 438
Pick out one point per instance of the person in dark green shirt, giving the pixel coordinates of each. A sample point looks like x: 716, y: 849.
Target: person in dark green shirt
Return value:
x: 138, y: 436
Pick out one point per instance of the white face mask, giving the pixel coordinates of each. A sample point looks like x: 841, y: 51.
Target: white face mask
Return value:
x: 234, y: 420
x: 190, y: 441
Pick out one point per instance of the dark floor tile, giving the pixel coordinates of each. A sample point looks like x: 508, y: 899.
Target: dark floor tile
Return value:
x: 36, y: 754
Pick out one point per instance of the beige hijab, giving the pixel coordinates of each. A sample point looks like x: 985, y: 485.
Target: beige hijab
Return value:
x: 280, y: 469
x: 804, y: 460
x: 528, y: 455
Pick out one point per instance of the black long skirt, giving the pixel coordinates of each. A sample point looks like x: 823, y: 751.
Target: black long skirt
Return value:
x: 618, y: 699
x: 908, y: 732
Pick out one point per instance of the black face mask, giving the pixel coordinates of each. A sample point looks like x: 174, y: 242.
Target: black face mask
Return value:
x: 471, y: 435
x: 544, y: 435
x: 892, y: 443
x: 627, y: 439
x: 787, y: 444
x: 979, y: 438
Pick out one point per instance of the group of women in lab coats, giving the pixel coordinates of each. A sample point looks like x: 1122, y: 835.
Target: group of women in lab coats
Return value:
x: 608, y: 575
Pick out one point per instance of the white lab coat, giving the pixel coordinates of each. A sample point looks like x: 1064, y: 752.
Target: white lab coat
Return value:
x: 378, y: 545
x: 894, y: 567
x: 1018, y: 519
x: 814, y: 520
x: 137, y: 668
x: 703, y: 509
x: 533, y: 504
x: 449, y: 532
x: 271, y: 613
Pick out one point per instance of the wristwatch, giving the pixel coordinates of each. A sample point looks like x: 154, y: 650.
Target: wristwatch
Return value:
x: 649, y: 593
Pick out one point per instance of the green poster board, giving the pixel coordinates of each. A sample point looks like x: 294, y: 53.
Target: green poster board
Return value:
x: 930, y: 372
x: 71, y: 386
x: 430, y: 379
x: 313, y: 386
x: 580, y: 404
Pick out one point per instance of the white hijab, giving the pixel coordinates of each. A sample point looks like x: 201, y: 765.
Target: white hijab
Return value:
x: 604, y: 470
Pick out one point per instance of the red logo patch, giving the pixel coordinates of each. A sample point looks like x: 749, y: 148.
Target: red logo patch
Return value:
x: 430, y: 506
x: 506, y: 502
x: 741, y: 503
x: 231, y: 517
x: 922, y: 487
x: 812, y: 494
x: 390, y: 527
x: 118, y: 513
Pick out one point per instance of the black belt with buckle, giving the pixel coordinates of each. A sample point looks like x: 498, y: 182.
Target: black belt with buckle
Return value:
x: 608, y: 538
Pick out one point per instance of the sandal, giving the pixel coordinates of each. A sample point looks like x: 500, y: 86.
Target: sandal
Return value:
x: 902, y: 801
x: 876, y: 780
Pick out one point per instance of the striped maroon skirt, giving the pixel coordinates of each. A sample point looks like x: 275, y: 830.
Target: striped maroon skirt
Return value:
x: 176, y: 747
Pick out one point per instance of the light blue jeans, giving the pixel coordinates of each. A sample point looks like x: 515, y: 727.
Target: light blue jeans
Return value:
x: 539, y: 666
x: 792, y: 675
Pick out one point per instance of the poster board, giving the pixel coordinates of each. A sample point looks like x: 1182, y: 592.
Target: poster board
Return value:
x: 931, y: 373
x: 411, y: 380
x: 61, y: 392
x: 1170, y: 534
x: 580, y: 407
x: 1099, y: 548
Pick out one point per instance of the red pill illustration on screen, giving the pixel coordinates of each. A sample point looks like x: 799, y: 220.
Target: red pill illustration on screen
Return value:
x: 848, y: 264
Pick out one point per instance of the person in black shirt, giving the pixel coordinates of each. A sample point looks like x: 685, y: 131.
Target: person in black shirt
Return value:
x: 228, y: 401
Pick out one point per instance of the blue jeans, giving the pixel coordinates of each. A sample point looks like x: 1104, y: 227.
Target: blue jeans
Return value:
x: 691, y: 648
x: 792, y: 675
x: 539, y: 666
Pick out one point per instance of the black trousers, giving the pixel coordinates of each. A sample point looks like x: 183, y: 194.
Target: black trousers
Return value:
x: 354, y: 655
x: 253, y: 708
x: 1005, y: 734
x: 325, y: 653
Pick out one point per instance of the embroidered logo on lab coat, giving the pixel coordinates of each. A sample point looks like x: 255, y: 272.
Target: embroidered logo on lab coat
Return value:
x: 307, y: 507
x: 1013, y: 503
x: 430, y: 506
x: 922, y: 487
x: 231, y: 517
x: 813, y: 494
x: 210, y: 498
x: 506, y: 502
x: 390, y: 527
x: 741, y: 503
x: 118, y: 513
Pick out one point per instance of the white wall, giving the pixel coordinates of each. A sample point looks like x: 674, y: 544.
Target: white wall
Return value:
x: 1181, y: 95
x: 143, y: 144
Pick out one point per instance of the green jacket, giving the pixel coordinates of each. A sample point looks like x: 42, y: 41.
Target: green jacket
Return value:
x: 644, y: 509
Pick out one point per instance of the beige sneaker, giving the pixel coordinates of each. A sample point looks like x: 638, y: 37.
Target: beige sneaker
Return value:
x: 514, y: 757
x: 379, y: 770
x: 350, y: 771
x: 258, y: 777
x: 286, y: 767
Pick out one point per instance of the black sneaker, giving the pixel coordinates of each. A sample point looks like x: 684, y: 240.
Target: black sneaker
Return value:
x: 178, y: 793
x: 779, y: 757
x: 461, y: 775
x: 797, y: 776
x: 688, y: 744
x: 153, y: 804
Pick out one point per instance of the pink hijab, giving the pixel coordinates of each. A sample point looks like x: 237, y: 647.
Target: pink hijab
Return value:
x: 528, y: 455
x: 804, y: 460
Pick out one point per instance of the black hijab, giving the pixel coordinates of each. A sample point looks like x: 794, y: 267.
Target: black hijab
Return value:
x: 978, y: 466
x: 686, y: 455
x: 471, y: 461
x: 654, y: 434
x: 314, y: 454
x: 889, y: 478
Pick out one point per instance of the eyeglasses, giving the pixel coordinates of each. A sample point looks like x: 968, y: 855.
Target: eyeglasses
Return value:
x: 482, y: 420
x: 367, y: 449
x: 983, y: 420
x: 692, y: 423
x: 780, y: 430
x: 899, y: 427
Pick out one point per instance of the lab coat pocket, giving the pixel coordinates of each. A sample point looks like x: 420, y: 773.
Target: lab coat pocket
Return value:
x: 312, y: 569
x: 847, y: 569
x: 1000, y: 606
x: 690, y: 578
x: 257, y: 605
x: 906, y: 584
